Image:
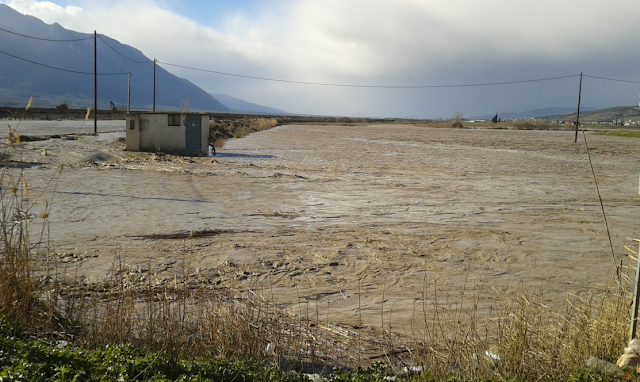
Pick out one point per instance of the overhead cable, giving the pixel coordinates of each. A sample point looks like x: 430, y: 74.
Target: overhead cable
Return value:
x: 62, y: 69
x: 369, y: 86
x: 291, y: 81
x: 130, y: 59
x: 613, y: 79
x: 45, y: 39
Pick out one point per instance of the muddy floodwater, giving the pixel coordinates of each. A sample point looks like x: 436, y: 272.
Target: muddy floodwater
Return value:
x: 349, y: 223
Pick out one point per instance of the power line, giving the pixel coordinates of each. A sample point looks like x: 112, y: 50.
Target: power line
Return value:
x: 130, y: 59
x: 62, y: 69
x: 369, y: 86
x: 613, y: 79
x: 289, y: 81
x: 45, y: 39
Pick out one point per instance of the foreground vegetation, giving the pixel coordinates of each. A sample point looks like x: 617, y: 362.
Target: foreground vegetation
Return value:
x: 36, y: 360
x: 129, y: 327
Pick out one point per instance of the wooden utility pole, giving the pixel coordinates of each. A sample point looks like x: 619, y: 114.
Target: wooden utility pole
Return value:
x: 129, y: 94
x: 578, y: 114
x: 95, y: 83
x: 154, y: 86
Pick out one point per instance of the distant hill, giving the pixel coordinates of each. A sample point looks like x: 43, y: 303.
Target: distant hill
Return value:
x: 537, y: 113
x: 246, y: 107
x: 20, y: 80
x: 621, y: 113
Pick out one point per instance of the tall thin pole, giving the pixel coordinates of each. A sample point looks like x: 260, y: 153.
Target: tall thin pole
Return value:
x: 578, y: 115
x: 95, y: 83
x: 129, y: 94
x: 154, y: 85
x: 636, y: 300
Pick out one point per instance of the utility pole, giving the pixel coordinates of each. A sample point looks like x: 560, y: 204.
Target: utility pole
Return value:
x: 129, y: 94
x: 578, y: 114
x: 95, y: 83
x: 154, y: 86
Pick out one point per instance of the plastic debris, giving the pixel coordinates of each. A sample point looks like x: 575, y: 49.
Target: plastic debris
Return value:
x: 629, y: 359
x: 492, y: 355
x: 634, y: 347
x: 604, y: 367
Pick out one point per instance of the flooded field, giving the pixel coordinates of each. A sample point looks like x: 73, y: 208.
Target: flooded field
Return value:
x: 348, y: 223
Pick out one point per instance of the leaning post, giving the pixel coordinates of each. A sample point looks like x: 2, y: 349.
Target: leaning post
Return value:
x: 636, y: 298
x: 578, y: 114
x: 636, y: 295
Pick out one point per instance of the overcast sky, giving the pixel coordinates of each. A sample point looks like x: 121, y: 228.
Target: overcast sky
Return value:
x: 380, y: 42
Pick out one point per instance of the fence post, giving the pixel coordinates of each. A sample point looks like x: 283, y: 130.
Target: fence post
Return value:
x: 636, y: 295
x: 636, y: 299
x: 578, y: 113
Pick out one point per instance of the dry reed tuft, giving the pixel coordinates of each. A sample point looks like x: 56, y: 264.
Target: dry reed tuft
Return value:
x: 19, y: 291
x: 183, y: 317
x: 10, y: 141
x: 529, y: 340
x: 238, y: 128
x: 220, y: 142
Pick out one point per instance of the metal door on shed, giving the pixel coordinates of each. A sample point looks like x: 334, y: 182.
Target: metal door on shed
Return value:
x: 193, y: 124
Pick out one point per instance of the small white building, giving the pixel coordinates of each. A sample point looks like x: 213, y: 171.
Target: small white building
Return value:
x: 186, y: 133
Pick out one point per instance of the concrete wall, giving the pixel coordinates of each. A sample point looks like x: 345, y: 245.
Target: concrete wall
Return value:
x: 132, y: 128
x: 151, y: 132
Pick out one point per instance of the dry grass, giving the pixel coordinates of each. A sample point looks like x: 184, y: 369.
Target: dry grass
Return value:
x: 184, y: 317
x: 238, y: 128
x: 219, y: 143
x: 537, y: 125
x: 19, y: 290
x: 527, y: 339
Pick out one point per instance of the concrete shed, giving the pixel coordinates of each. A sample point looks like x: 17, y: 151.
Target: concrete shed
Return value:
x: 186, y: 133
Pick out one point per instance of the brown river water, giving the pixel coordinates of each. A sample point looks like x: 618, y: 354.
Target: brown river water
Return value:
x: 356, y: 223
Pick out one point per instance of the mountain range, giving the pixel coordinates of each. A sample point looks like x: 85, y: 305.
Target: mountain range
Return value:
x: 236, y: 104
x: 33, y: 64
x: 537, y: 113
x: 613, y: 114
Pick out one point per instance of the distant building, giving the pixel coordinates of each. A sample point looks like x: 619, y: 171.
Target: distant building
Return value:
x: 184, y: 133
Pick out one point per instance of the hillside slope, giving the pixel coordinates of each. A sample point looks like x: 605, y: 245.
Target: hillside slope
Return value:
x: 246, y: 107
x: 619, y: 113
x: 20, y: 79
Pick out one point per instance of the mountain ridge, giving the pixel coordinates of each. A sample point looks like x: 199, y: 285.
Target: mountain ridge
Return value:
x: 69, y: 75
x: 536, y: 113
x: 237, y: 104
x: 612, y: 114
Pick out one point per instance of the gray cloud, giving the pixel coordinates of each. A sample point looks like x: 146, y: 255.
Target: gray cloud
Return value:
x: 400, y: 42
